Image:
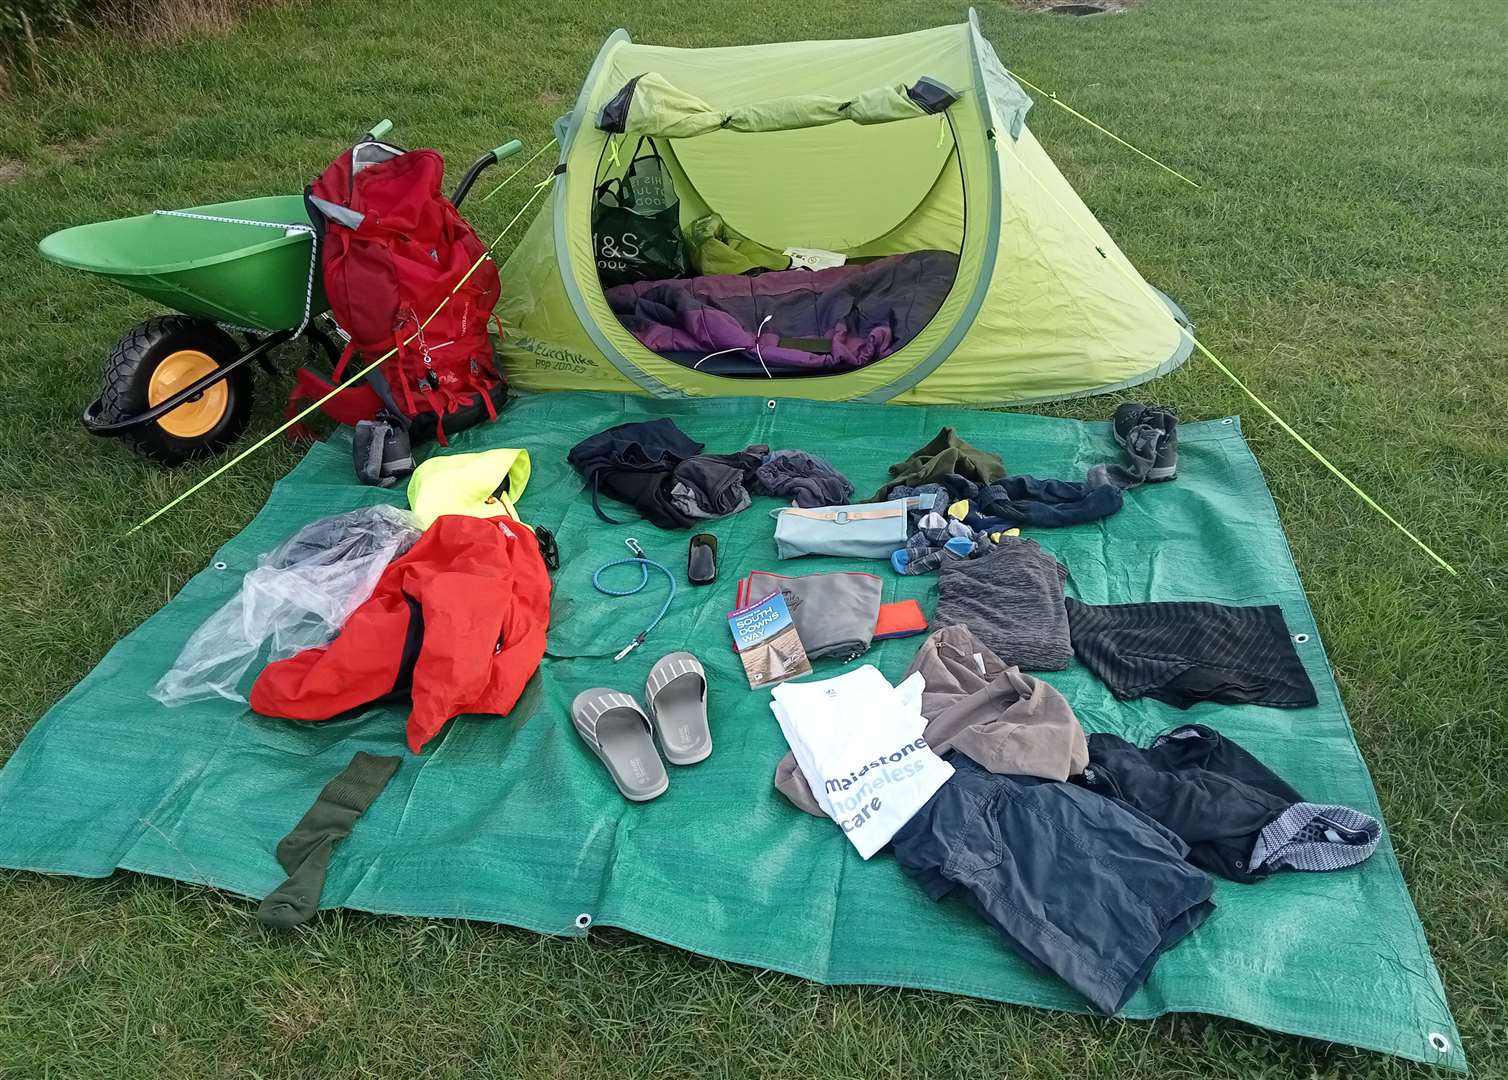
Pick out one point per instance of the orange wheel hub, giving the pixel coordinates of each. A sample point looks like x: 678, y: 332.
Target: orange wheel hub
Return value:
x: 199, y: 415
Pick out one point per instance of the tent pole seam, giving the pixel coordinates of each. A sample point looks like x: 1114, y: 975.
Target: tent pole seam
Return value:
x: 986, y: 274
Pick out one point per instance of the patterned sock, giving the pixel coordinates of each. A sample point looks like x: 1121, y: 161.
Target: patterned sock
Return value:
x: 952, y: 550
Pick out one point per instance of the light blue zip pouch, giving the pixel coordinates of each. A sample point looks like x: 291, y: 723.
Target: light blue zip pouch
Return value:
x: 861, y: 531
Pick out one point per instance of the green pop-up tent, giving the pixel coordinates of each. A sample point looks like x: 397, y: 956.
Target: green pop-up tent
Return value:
x: 867, y: 148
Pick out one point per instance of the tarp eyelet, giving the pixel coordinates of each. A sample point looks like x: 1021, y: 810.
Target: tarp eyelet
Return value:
x: 583, y: 921
x: 1440, y: 1043
x: 770, y: 404
x: 1300, y: 638
x: 220, y: 565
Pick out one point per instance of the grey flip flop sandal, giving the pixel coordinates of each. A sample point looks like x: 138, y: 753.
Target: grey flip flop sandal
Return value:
x: 676, y: 693
x: 618, y: 732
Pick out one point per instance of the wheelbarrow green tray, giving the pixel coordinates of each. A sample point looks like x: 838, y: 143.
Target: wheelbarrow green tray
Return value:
x: 512, y: 820
x: 231, y: 271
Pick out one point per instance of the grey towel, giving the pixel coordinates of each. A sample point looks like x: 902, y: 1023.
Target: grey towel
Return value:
x: 1012, y: 599
x: 834, y: 613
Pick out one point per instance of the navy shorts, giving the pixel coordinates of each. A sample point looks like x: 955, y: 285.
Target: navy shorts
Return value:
x: 1083, y: 886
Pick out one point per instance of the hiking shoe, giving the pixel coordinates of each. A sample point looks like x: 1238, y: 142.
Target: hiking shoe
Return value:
x: 1149, y: 433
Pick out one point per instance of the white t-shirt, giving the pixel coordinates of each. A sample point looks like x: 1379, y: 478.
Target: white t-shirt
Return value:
x: 858, y: 741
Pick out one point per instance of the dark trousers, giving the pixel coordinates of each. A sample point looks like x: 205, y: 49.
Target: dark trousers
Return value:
x: 1079, y: 885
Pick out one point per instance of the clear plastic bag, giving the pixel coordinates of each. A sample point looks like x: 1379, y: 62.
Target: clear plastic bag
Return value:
x: 299, y: 596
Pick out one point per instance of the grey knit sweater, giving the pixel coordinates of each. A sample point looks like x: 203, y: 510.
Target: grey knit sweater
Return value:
x: 1012, y: 599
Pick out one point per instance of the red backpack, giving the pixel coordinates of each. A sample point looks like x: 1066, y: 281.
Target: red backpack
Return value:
x: 392, y: 249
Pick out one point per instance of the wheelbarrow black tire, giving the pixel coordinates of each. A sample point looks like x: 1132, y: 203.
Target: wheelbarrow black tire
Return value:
x: 196, y: 428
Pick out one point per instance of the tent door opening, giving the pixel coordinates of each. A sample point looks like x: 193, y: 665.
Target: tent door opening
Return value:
x: 780, y: 254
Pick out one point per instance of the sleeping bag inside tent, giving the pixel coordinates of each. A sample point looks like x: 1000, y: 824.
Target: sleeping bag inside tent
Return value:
x: 856, y: 220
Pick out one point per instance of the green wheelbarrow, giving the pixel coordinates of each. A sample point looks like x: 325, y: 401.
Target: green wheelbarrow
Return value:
x: 179, y: 386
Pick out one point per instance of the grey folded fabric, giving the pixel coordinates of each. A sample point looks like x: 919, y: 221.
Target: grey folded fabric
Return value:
x: 1006, y: 721
x: 834, y: 613
x: 803, y: 478
x: 707, y: 487
x: 1012, y: 599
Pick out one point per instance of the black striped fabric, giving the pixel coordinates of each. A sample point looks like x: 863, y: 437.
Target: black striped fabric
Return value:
x: 1185, y: 652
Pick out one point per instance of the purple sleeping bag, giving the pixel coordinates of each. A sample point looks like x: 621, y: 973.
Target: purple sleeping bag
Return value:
x: 863, y: 311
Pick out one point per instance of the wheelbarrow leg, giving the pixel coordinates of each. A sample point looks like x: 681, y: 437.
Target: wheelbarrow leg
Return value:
x: 323, y: 340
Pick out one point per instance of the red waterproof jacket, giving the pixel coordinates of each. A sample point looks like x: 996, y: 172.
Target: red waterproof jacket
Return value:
x: 458, y: 624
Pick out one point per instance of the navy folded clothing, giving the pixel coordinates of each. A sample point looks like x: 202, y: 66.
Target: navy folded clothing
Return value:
x: 1015, y: 501
x: 801, y: 478
x: 1079, y: 885
x: 1240, y: 819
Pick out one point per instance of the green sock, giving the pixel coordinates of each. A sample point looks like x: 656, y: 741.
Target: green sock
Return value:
x: 305, y: 852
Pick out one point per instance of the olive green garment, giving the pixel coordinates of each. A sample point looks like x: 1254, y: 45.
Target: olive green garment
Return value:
x: 945, y: 454
x: 305, y: 852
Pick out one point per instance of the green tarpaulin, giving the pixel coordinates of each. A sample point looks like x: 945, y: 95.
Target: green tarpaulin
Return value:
x: 513, y: 820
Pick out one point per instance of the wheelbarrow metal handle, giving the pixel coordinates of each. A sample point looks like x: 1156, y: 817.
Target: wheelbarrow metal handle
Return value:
x: 486, y: 161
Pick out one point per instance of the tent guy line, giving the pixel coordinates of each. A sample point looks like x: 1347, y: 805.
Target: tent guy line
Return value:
x: 1106, y: 131
x: 1228, y: 373
x: 518, y: 171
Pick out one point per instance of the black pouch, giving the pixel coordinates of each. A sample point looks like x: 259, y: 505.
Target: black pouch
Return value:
x: 701, y: 559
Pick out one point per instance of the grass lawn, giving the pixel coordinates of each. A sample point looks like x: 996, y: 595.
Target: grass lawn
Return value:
x: 1345, y: 256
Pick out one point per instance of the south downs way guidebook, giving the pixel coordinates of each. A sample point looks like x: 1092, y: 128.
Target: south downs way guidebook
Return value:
x: 767, y: 642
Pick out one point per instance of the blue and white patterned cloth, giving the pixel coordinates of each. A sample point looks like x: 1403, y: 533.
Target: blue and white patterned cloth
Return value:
x: 1310, y: 836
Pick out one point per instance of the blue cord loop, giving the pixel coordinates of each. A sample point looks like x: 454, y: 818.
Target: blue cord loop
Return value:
x: 643, y: 562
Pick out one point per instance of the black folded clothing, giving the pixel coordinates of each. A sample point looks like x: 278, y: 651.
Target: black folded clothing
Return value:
x: 1186, y: 652
x: 634, y: 463
x: 1240, y: 819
